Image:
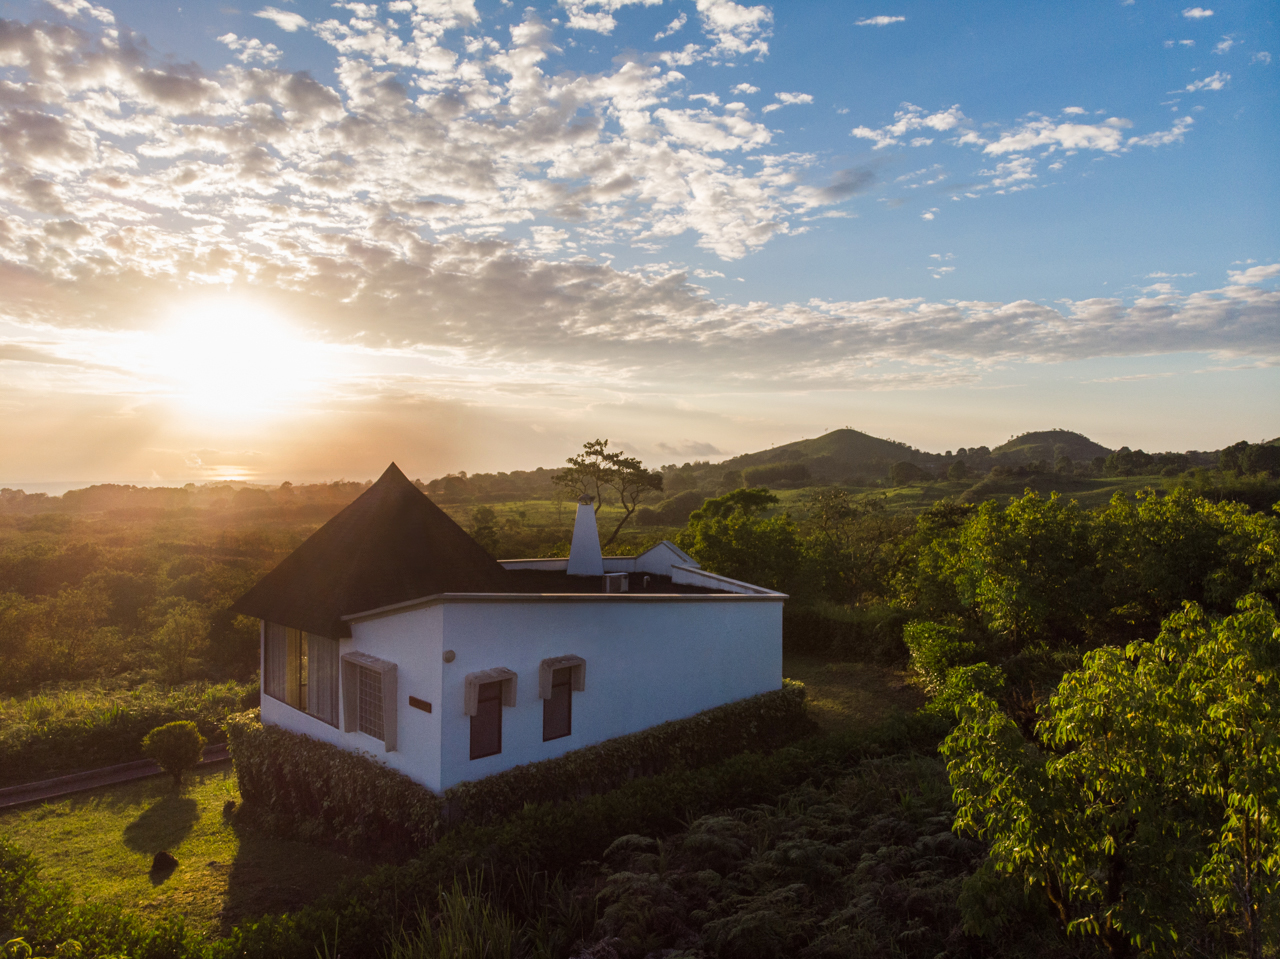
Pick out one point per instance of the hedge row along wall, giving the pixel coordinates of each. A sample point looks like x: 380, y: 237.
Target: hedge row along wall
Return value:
x: 309, y: 789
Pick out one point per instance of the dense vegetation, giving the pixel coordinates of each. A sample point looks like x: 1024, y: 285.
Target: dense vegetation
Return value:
x: 1104, y: 693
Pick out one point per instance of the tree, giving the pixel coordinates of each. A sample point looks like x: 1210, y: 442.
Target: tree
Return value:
x: 1144, y: 805
x: 597, y: 469
x: 484, y: 528
x: 181, y: 637
x: 728, y: 536
x: 958, y: 470
x: 175, y: 748
x: 903, y: 473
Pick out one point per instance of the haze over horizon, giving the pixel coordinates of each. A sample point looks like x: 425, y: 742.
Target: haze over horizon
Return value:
x: 299, y: 241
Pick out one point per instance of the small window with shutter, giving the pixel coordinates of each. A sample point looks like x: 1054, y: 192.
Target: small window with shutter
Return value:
x: 557, y: 711
x: 486, y: 723
x: 558, y: 679
x: 369, y: 695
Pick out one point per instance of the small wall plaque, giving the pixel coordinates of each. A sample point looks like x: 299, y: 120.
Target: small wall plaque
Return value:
x: 422, y: 704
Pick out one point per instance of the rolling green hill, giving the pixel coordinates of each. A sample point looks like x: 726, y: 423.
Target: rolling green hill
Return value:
x: 834, y: 455
x: 1048, y: 445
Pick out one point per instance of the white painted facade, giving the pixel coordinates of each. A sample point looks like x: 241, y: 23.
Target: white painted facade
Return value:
x: 649, y: 658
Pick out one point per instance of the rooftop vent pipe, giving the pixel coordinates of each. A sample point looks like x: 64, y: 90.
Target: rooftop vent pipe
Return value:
x: 585, y: 558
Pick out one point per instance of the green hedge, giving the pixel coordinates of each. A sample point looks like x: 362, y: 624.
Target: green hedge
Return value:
x: 56, y: 734
x: 300, y: 786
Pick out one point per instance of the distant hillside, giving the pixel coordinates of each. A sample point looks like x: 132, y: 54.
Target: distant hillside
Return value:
x: 837, y: 455
x: 1049, y: 445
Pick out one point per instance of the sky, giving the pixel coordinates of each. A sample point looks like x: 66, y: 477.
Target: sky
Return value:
x: 297, y: 241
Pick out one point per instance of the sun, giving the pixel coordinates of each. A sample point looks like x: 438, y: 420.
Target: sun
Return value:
x: 232, y: 358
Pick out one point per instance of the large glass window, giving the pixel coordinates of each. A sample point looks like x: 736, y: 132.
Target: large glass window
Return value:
x: 301, y: 670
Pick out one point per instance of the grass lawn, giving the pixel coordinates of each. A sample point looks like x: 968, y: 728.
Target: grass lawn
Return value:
x: 101, y: 843
x: 844, y: 696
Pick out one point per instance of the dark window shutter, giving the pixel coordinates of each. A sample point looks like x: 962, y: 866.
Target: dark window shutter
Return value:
x: 486, y: 724
x: 557, y: 711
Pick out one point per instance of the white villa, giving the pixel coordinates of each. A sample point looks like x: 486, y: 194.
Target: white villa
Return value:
x: 390, y: 631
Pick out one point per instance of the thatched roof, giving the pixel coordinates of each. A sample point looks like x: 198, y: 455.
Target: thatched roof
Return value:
x: 390, y: 546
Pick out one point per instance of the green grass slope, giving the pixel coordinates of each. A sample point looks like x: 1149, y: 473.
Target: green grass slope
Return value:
x: 1048, y: 445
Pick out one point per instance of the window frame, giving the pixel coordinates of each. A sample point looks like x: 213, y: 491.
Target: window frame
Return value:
x: 352, y: 664
x: 471, y: 700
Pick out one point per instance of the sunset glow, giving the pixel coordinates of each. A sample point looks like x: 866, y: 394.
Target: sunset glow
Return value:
x: 303, y: 241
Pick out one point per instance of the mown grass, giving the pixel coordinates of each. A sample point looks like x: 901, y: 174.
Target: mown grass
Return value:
x: 844, y: 697
x: 101, y: 843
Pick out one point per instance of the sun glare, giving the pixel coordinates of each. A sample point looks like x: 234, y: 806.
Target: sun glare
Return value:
x: 231, y: 359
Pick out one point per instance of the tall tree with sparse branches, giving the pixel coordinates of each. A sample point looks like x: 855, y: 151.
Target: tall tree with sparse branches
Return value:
x: 598, y: 469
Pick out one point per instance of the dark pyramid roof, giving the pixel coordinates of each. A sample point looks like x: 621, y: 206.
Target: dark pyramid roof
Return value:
x: 389, y: 546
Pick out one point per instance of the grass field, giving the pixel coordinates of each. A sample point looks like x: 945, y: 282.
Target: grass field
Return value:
x: 847, y: 696
x: 101, y: 843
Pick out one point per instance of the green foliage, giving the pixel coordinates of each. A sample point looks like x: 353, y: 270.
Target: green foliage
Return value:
x: 175, y: 748
x: 936, y: 649
x: 51, y: 734
x: 791, y: 474
x: 181, y: 636
x: 597, y: 469
x: 729, y: 536
x: 299, y: 787
x: 760, y: 723
x: 1143, y: 809
x: 466, y: 924
x: 303, y: 787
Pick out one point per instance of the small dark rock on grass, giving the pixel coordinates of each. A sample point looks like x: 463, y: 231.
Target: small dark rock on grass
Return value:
x: 164, y: 861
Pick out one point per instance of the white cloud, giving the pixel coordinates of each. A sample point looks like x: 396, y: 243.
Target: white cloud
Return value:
x: 284, y: 19
x: 597, y: 15
x: 744, y: 89
x: 1107, y: 136
x: 74, y: 8
x: 910, y: 117
x: 788, y: 99
x: 1074, y: 110
x: 929, y: 214
x: 1262, y: 56
x: 673, y: 27
x: 1166, y: 276
x: 1255, y: 274
x: 249, y: 50
x: 737, y: 30
x: 1015, y: 171
x: 1196, y: 13
x: 1215, y: 82
x: 1223, y: 45
x: 880, y: 21
x: 1163, y: 137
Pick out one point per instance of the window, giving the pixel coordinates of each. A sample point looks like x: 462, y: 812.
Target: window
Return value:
x: 369, y: 697
x: 557, y: 711
x: 558, y: 679
x: 301, y: 670
x: 484, y: 695
x: 486, y: 724
x: 369, y: 708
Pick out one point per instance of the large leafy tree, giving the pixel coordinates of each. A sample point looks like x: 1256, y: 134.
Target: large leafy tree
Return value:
x: 598, y: 470
x: 730, y: 535
x: 1146, y: 797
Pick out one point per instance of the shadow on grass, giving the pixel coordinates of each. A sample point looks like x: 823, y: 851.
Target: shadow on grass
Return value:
x: 163, y: 825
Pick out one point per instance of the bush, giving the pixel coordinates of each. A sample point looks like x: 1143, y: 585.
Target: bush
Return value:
x: 175, y: 748
x: 792, y: 474
x: 936, y: 649
x: 302, y: 787
x: 853, y: 634
x: 52, y: 734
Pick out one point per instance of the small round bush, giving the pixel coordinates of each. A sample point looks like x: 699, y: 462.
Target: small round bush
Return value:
x: 175, y: 748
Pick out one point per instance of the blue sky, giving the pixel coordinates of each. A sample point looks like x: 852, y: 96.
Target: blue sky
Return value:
x: 471, y: 235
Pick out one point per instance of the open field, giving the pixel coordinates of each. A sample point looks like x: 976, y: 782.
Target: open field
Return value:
x: 845, y: 696
x: 101, y: 844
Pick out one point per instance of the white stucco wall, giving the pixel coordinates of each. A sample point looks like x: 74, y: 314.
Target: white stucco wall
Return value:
x: 649, y: 659
x: 413, y: 640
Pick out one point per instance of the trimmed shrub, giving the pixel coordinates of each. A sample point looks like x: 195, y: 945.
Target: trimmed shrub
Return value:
x: 175, y: 748
x: 759, y: 724
x: 51, y: 734
x: 302, y: 787
x: 298, y: 786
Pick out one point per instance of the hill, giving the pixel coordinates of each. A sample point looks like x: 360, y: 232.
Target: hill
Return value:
x: 833, y: 456
x: 1049, y: 445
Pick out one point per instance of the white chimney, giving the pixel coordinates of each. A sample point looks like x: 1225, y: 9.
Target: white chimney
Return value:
x: 585, y: 558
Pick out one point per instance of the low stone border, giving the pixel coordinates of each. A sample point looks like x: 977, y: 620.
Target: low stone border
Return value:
x: 93, y: 778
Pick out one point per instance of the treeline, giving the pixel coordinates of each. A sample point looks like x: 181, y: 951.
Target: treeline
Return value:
x: 109, y: 497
